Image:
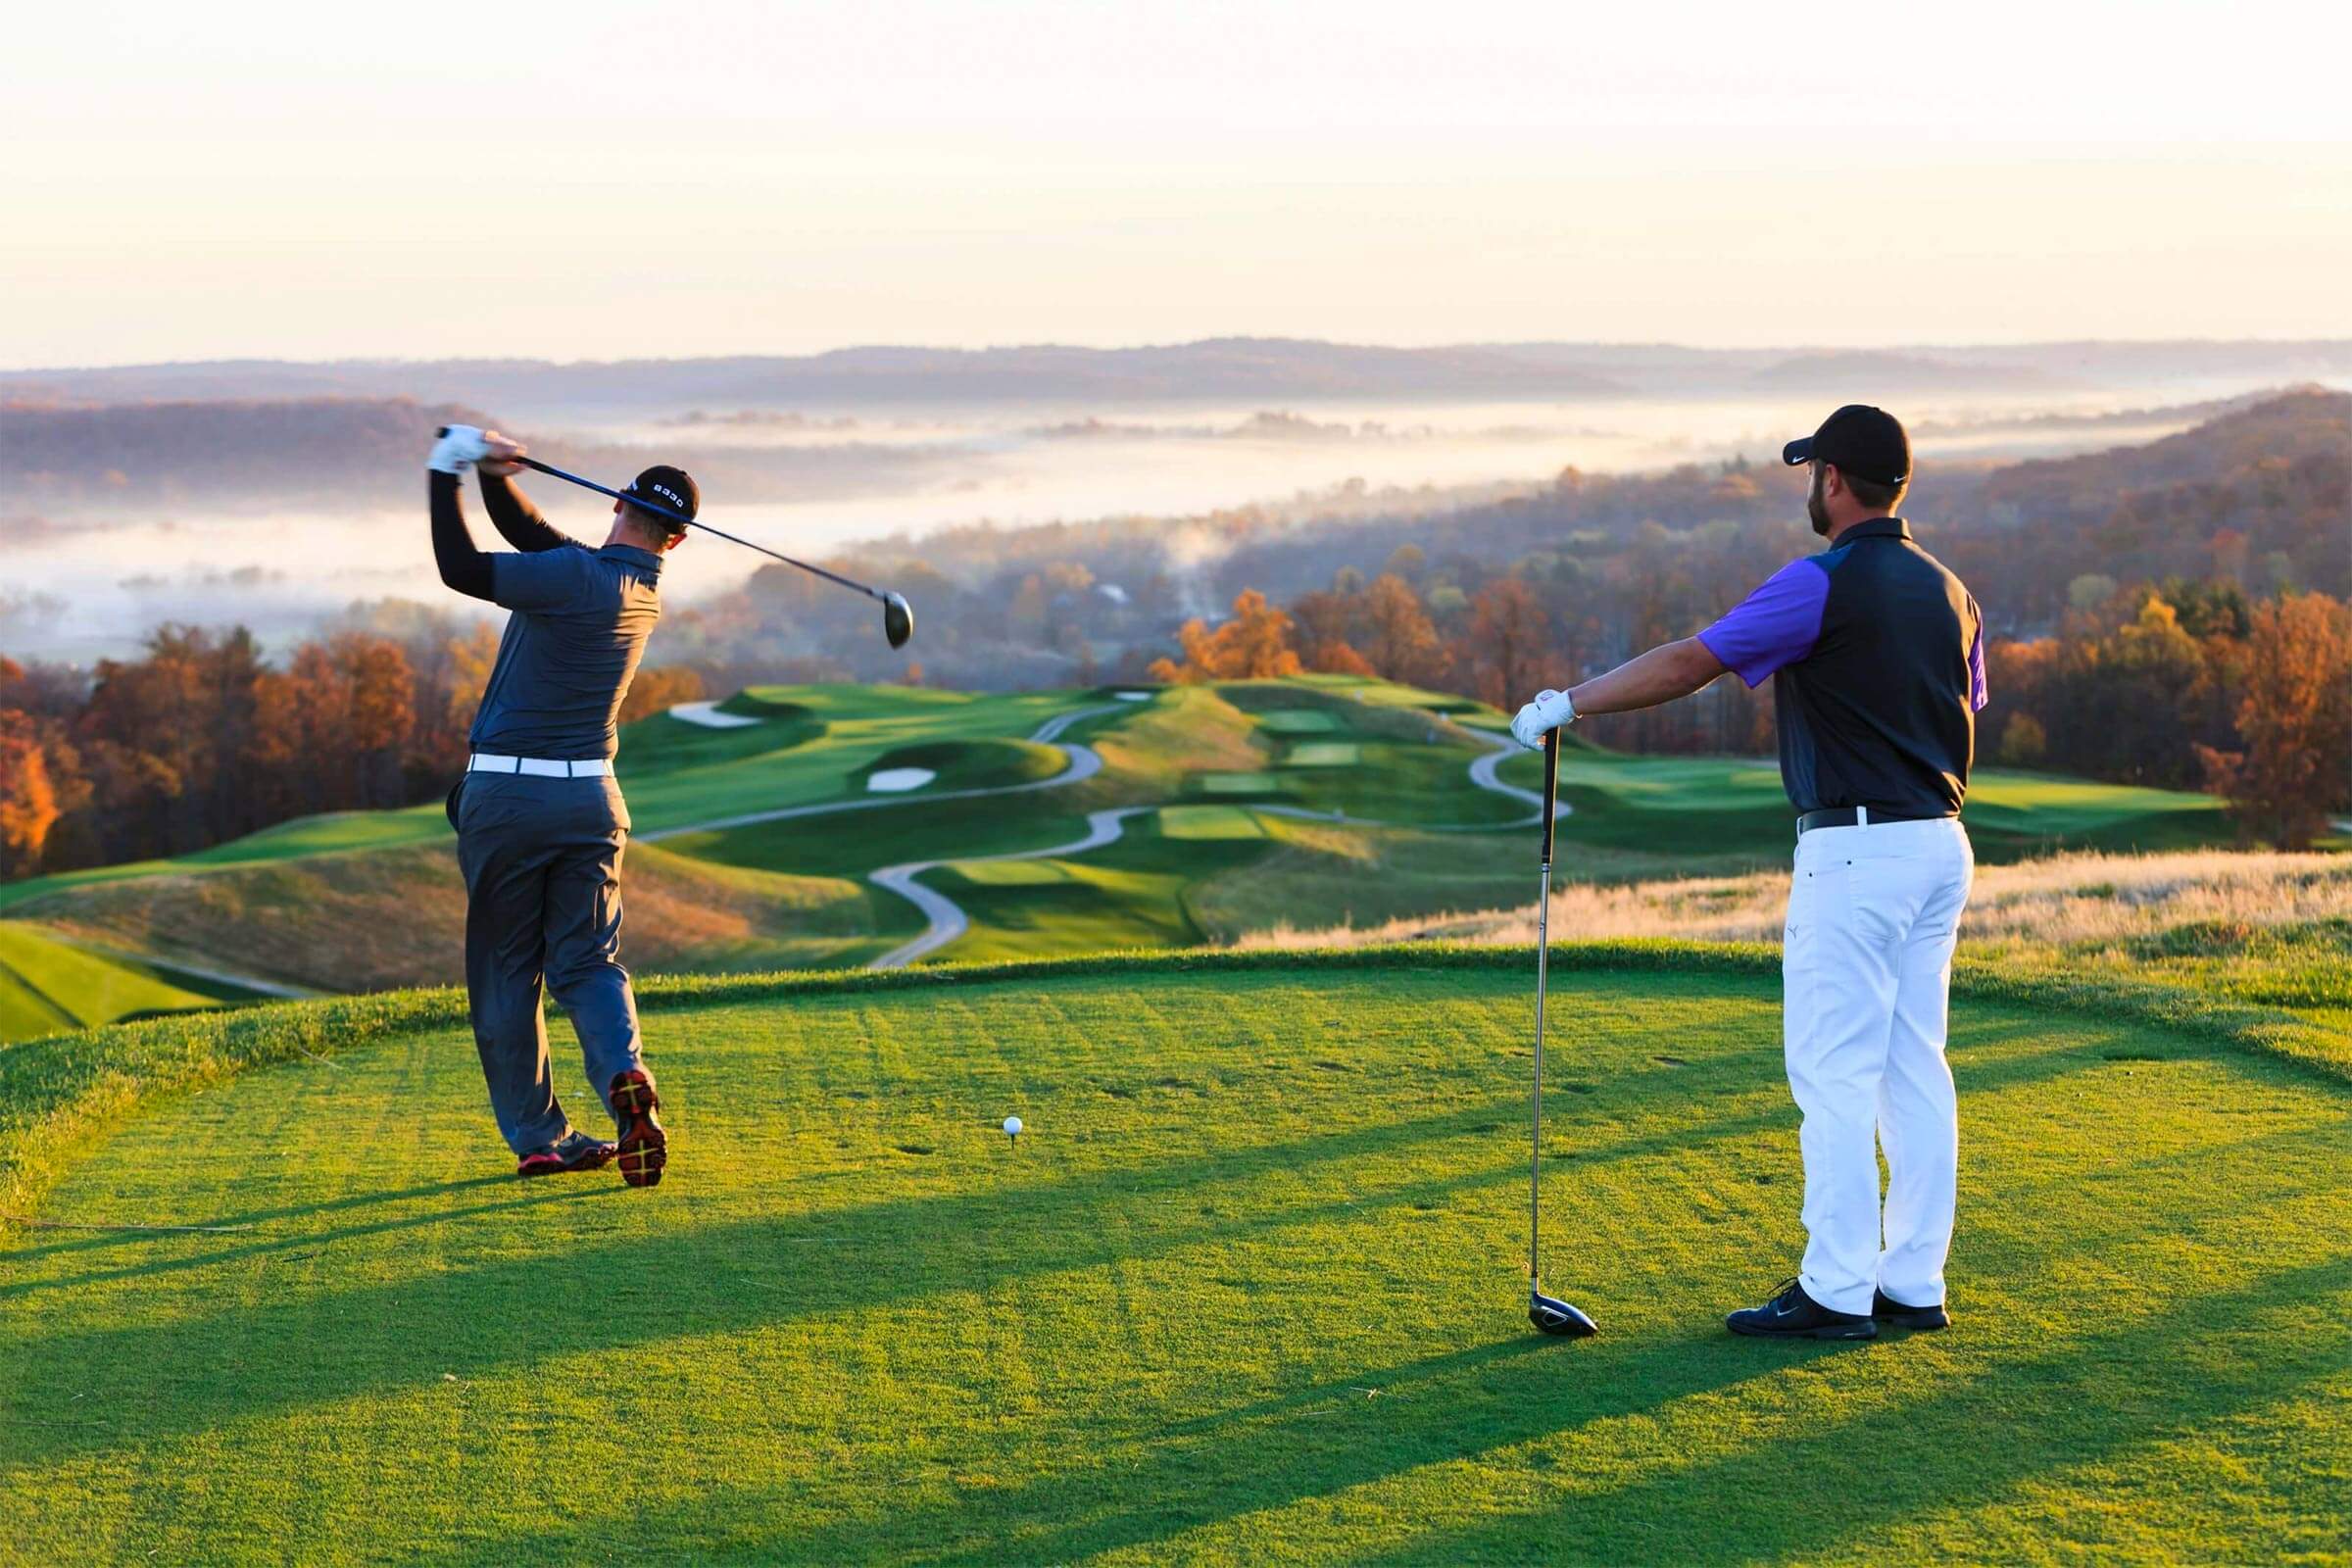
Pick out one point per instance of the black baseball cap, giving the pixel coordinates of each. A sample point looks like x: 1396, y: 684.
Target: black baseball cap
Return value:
x: 663, y: 488
x: 1866, y: 442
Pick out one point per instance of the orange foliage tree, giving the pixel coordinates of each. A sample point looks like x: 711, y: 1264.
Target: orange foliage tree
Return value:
x: 1253, y: 645
x: 27, y: 800
x: 2295, y: 721
x: 1510, y: 638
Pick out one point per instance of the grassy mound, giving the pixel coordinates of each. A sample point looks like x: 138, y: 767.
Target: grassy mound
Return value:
x: 968, y: 764
x: 47, y: 986
x: 368, y: 900
x: 397, y: 917
x: 1250, y: 1287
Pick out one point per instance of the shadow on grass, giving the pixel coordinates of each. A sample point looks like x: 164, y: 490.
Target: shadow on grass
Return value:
x: 1803, y: 1485
x: 720, y: 1277
x: 258, y: 1216
x: 309, y: 1240
x: 1829, y: 1489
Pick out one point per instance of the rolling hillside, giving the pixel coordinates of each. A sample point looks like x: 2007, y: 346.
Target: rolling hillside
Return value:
x: 1029, y: 825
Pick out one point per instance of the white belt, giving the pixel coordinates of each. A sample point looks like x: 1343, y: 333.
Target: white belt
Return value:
x: 538, y: 766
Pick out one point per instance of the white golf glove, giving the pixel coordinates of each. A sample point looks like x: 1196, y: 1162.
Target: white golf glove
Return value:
x: 459, y: 448
x: 1548, y: 711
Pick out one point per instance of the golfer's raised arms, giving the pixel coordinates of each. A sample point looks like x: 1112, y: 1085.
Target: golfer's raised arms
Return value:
x: 511, y: 513
x: 463, y: 565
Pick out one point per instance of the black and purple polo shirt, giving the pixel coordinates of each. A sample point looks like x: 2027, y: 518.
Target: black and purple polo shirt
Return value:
x: 1877, y: 655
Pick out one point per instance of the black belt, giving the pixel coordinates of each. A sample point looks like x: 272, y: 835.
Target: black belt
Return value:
x: 1849, y: 815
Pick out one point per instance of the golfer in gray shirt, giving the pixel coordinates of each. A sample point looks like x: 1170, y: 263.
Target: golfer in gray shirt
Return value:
x: 541, y: 823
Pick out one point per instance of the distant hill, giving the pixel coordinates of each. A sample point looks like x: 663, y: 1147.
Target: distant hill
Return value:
x: 1215, y: 368
x: 2302, y: 425
x: 272, y: 453
x: 1233, y: 369
x: 1884, y: 374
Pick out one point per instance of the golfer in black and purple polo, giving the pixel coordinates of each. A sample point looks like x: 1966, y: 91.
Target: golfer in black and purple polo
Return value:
x: 1877, y: 657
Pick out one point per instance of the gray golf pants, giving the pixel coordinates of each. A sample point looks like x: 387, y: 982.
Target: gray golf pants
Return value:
x: 542, y: 864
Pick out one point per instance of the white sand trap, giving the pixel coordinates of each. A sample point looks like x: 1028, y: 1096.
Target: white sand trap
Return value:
x: 1133, y: 697
x: 896, y: 780
x: 709, y: 717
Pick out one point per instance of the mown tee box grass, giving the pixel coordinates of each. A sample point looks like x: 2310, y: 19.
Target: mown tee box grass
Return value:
x: 1249, y: 1288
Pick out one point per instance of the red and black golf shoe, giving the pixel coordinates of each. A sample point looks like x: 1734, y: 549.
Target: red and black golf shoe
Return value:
x: 644, y: 1147
x: 574, y: 1150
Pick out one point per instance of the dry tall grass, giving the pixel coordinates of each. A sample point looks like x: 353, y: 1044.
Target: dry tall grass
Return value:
x: 2074, y: 901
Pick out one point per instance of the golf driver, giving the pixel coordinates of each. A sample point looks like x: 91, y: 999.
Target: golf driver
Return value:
x: 1546, y: 1313
x: 898, y: 616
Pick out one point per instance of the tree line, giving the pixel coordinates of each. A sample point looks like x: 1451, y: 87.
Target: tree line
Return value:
x: 2179, y: 684
x: 200, y: 739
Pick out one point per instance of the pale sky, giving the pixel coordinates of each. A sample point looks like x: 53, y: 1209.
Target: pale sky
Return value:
x: 600, y: 179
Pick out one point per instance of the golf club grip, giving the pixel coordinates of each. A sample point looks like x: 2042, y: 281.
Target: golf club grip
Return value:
x: 1551, y: 787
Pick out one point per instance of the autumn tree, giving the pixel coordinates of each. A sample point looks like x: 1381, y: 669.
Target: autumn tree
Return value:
x: 1509, y: 634
x: 1253, y: 645
x: 2295, y: 721
x: 1327, y: 622
x: 27, y: 800
x: 1399, y: 640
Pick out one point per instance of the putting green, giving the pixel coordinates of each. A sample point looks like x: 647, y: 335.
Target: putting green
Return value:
x: 1323, y: 754
x: 1249, y: 1289
x: 1239, y: 784
x: 1296, y: 721
x: 1212, y: 822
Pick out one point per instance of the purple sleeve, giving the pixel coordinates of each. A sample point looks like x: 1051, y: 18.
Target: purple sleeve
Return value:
x: 1778, y: 624
x: 1977, y: 696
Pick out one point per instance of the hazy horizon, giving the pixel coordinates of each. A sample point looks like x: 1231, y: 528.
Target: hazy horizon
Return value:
x: 614, y: 179
x: 1108, y: 344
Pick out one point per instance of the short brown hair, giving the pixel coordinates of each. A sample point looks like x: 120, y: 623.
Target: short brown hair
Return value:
x: 1873, y: 493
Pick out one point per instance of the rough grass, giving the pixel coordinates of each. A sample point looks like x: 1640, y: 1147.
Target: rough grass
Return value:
x: 392, y: 918
x: 1250, y: 1287
x: 2274, y: 929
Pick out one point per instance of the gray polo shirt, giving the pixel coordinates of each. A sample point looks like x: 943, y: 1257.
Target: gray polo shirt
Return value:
x: 578, y: 629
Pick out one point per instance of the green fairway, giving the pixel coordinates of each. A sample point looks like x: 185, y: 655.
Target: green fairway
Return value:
x: 1249, y: 1289
x: 47, y: 986
x: 1716, y: 813
x: 1329, y: 800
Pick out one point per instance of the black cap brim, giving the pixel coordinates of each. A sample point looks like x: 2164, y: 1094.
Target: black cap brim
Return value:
x: 1798, y: 452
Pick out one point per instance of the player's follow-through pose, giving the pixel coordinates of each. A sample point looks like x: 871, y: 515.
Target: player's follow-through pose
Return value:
x: 1877, y: 655
x: 541, y: 823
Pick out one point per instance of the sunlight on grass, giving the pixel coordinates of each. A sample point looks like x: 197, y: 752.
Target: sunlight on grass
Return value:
x: 857, y: 1323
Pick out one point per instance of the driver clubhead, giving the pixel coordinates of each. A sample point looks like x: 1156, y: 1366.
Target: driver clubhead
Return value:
x: 1557, y: 1317
x: 898, y: 619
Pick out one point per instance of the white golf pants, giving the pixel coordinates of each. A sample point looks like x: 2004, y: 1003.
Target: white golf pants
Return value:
x: 1867, y: 965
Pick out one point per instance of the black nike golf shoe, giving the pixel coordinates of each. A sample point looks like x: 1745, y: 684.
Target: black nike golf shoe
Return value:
x: 1793, y: 1315
x: 1887, y: 1309
x: 574, y: 1150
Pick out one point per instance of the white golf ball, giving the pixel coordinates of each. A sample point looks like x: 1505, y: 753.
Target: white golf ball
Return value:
x: 1012, y: 1126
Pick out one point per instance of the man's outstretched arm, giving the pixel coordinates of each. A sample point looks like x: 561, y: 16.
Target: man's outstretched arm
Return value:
x: 1664, y: 673
x: 1773, y: 627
